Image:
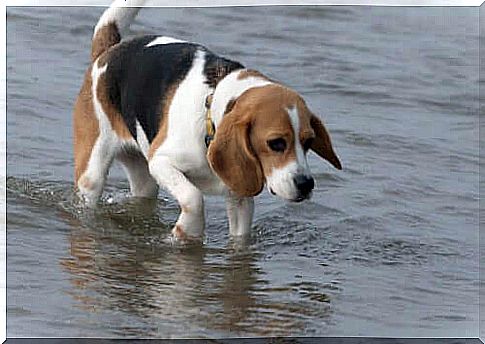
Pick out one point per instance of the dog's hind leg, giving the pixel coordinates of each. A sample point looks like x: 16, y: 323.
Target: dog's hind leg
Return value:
x: 95, y: 143
x: 91, y: 182
x: 191, y: 221
x: 89, y: 167
x: 135, y: 165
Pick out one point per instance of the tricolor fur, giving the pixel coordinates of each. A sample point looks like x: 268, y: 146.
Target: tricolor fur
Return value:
x: 143, y: 103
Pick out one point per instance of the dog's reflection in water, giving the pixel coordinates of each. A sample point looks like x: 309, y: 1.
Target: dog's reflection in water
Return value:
x: 119, y: 261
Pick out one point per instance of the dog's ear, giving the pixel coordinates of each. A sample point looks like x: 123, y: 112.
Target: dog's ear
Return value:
x: 231, y: 156
x: 322, y: 144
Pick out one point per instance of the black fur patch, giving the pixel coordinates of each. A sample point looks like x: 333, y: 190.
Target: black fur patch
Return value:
x: 230, y: 105
x: 217, y: 67
x: 139, y: 77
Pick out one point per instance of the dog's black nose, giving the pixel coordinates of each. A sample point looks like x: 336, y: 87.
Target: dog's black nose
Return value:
x: 304, y: 183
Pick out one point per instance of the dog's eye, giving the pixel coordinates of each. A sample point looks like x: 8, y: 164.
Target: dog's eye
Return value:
x: 277, y: 145
x: 307, y: 144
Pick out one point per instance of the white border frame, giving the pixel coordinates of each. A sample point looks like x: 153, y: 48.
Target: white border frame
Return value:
x: 228, y: 3
x: 150, y: 3
x: 3, y: 175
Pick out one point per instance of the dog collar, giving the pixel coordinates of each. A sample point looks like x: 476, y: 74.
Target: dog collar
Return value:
x: 209, y: 123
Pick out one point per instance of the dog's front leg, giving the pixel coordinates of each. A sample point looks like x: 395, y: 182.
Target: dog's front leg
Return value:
x: 240, y: 212
x: 190, y: 224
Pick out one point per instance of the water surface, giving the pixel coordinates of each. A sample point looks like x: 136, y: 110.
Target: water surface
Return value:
x: 386, y: 247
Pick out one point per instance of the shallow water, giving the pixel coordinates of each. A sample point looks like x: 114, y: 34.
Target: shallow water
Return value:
x: 386, y: 247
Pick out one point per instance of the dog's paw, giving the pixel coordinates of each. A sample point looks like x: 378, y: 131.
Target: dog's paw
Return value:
x: 180, y: 236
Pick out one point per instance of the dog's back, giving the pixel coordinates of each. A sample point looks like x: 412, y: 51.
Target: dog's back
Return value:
x: 142, y: 78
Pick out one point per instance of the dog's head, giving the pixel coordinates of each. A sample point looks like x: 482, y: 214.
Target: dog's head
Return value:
x: 265, y: 137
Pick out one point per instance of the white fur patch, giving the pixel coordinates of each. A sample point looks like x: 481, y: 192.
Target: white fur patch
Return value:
x: 142, y: 139
x: 301, y: 159
x: 104, y: 124
x: 121, y: 12
x: 281, y: 181
x: 163, y: 40
x: 186, y: 116
x: 230, y: 88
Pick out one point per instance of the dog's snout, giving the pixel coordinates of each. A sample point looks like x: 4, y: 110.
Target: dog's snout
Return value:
x: 304, y: 184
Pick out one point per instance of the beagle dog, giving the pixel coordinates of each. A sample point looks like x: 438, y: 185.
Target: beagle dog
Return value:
x: 178, y: 116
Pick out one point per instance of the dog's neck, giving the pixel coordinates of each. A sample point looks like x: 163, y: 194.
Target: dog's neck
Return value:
x: 231, y: 87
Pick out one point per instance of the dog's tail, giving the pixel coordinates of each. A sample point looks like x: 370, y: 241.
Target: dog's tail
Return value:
x: 114, y: 21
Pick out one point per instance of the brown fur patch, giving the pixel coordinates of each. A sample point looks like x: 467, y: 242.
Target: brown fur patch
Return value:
x: 107, y: 36
x: 231, y: 156
x: 247, y: 73
x: 322, y: 144
x: 86, y: 129
x: 163, y: 126
x: 230, y: 105
x: 114, y: 117
x: 179, y: 233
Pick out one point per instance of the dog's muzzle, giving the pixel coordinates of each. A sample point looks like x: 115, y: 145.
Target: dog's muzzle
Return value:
x: 304, y: 184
